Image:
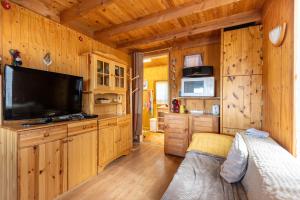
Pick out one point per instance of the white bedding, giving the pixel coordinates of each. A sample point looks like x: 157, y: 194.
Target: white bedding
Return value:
x: 272, y: 173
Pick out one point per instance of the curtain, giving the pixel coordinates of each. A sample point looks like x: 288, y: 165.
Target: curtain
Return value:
x: 137, y: 96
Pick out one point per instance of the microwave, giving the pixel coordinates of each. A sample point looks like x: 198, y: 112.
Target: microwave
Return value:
x: 198, y: 87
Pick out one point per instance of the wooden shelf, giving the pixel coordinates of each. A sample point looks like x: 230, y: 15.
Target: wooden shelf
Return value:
x: 200, y: 98
x: 106, y: 104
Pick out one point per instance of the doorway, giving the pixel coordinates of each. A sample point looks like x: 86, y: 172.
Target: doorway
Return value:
x: 155, y: 97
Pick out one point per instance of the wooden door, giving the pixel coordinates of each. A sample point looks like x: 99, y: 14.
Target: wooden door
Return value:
x: 42, y: 171
x: 119, y: 77
x: 242, y: 102
x: 117, y: 143
x: 106, y: 145
x: 82, y: 158
x: 102, y: 72
x: 126, y: 136
x: 243, y: 51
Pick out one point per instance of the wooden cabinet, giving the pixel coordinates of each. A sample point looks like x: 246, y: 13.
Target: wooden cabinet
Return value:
x: 115, y: 139
x: 176, y: 133
x: 106, y: 149
x: 42, y: 167
x: 124, y: 129
x: 203, y: 124
x: 108, y: 74
x: 82, y: 152
x: 241, y: 102
x: 45, y: 161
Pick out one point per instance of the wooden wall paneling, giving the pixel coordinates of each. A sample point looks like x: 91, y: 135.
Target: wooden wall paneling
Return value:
x: 35, y: 35
x: 8, y: 165
x: 211, y: 56
x: 278, y: 75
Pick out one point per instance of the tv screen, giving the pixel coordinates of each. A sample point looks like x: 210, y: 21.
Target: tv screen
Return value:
x: 30, y: 93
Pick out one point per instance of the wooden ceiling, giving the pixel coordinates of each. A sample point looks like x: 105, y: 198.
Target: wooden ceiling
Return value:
x: 148, y: 24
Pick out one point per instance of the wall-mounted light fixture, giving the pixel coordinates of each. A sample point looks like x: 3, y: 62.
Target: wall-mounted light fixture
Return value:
x: 277, y: 34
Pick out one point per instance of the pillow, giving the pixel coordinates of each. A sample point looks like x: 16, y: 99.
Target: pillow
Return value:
x: 211, y: 143
x: 234, y: 167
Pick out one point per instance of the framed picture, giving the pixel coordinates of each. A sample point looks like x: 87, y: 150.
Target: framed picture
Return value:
x: 193, y: 60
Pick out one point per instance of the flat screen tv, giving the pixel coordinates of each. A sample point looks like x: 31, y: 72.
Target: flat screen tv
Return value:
x: 30, y: 93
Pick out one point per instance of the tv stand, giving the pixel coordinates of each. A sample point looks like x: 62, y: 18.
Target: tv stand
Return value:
x: 63, y: 118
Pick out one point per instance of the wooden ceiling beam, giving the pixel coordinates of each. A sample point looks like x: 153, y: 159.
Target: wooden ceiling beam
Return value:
x: 82, y: 8
x: 39, y: 7
x: 190, y: 8
x: 216, y: 24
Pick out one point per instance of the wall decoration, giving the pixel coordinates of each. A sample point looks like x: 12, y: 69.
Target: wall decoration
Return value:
x: 5, y: 4
x: 47, y: 60
x: 15, y: 57
x: 145, y: 85
x: 193, y: 60
x: 277, y: 34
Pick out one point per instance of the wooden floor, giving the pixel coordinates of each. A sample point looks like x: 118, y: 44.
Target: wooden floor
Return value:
x: 142, y: 175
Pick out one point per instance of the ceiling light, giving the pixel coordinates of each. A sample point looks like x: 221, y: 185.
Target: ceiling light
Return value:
x: 147, y: 60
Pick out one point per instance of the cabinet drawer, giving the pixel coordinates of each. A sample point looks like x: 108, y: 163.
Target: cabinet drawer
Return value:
x: 126, y: 118
x: 42, y: 135
x: 107, y: 123
x: 82, y: 127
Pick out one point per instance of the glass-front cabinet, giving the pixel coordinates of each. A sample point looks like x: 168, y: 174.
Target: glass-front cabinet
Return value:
x: 108, y: 75
x: 120, y: 76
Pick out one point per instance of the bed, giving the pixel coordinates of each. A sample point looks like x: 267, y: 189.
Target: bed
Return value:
x: 198, y: 177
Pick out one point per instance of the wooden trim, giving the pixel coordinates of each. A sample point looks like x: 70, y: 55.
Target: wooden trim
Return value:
x: 224, y: 22
x: 163, y: 16
x: 82, y: 8
x: 221, y: 80
x: 106, y: 56
x: 39, y: 7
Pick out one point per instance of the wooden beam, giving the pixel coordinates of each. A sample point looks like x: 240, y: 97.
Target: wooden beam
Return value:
x: 216, y: 24
x: 39, y: 7
x: 197, y: 42
x: 192, y: 7
x: 80, y: 9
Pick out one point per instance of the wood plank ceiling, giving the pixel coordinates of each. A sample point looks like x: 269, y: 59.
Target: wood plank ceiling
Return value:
x: 148, y: 24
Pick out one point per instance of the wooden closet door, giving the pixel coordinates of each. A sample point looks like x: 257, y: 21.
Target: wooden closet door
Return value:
x: 42, y: 172
x: 236, y: 102
x: 242, y: 51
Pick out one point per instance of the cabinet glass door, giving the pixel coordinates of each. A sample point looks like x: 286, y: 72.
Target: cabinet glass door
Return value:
x: 103, y: 73
x: 119, y: 76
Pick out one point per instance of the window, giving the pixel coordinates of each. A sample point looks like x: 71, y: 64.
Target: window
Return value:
x: 162, y: 92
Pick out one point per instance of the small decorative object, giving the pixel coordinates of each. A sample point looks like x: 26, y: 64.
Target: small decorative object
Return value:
x: 277, y: 34
x: 145, y: 85
x: 175, y: 106
x: 193, y: 60
x: 5, y: 4
x: 47, y: 60
x: 173, y: 72
x: 16, y: 57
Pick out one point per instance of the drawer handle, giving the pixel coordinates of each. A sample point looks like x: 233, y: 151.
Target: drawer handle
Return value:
x: 46, y: 134
x: 84, y: 127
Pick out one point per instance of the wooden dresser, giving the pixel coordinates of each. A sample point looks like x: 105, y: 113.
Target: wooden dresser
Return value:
x: 180, y: 127
x: 44, y: 161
